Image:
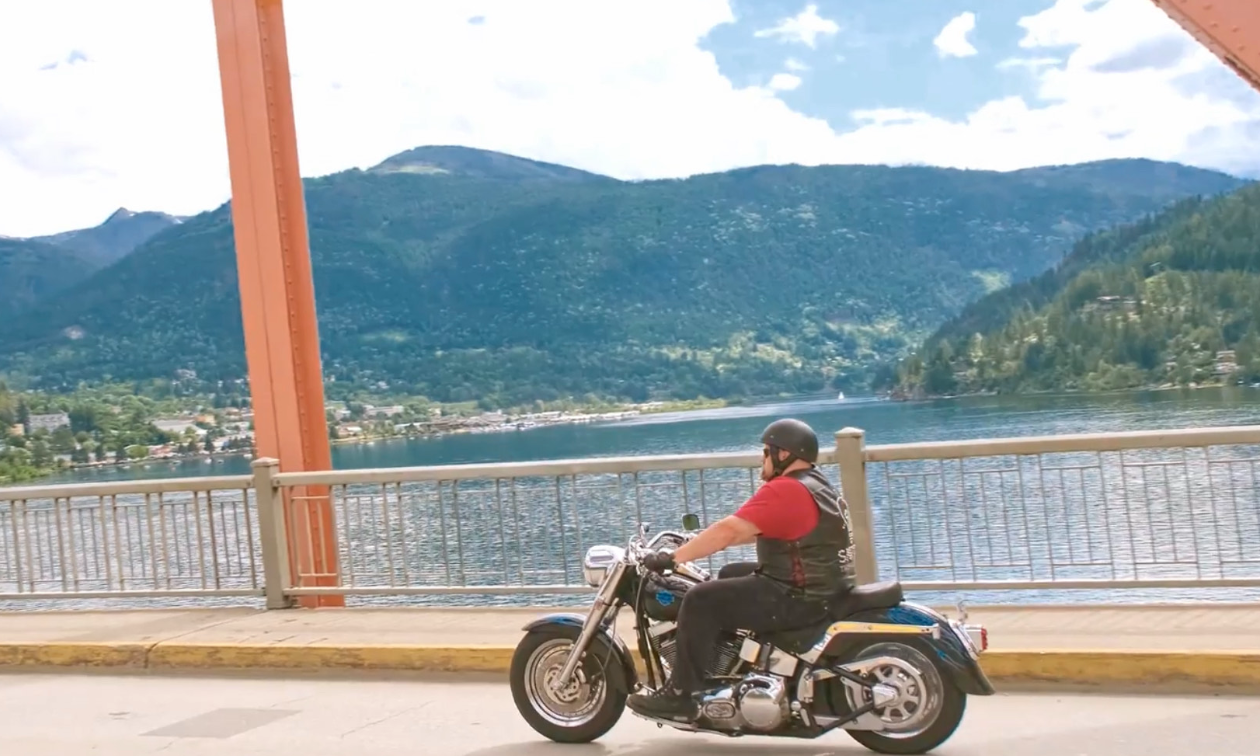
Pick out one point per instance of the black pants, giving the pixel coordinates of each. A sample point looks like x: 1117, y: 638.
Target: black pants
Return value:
x: 737, y: 600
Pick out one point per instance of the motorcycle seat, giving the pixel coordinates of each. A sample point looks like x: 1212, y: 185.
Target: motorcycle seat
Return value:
x: 861, y: 598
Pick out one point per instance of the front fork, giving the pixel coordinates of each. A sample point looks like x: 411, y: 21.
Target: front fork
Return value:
x: 604, y: 603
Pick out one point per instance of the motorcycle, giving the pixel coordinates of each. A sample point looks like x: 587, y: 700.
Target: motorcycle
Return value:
x: 893, y: 674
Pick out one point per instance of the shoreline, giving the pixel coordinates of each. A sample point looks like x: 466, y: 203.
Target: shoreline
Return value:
x: 901, y: 396
x: 579, y: 416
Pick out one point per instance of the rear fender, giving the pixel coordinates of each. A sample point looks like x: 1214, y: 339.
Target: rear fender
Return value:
x: 950, y: 650
x: 607, y: 632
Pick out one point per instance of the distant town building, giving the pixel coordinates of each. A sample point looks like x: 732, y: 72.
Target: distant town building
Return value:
x: 49, y: 423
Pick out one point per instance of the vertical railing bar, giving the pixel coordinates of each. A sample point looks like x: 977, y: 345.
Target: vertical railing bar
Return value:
x: 621, y: 501
x: 1045, y: 515
x: 577, y: 515
x: 87, y: 525
x: 249, y: 535
x: 984, y: 508
x: 949, y: 538
x: 704, y: 512
x: 927, y: 504
x: 61, y: 542
x: 42, y: 539
x: 890, y: 518
x: 118, y: 550
x: 201, y: 543
x: 1128, y: 513
x: 516, y: 529
x: 446, y: 554
x: 1194, y: 517
x: 214, y: 540
x: 564, y: 560
x: 1067, y: 516
x: 1023, y: 507
x: 109, y: 567
x: 387, y: 534
x: 403, y: 522
x: 1150, y: 513
x: 503, y: 550
x: 341, y: 493
x: 163, y: 509
x: 638, y: 500
x: 1089, y: 523
x: 1216, y: 515
x: 25, y: 541
x: 1006, y: 517
x: 1172, y: 518
x: 1233, y: 489
x: 221, y: 560
x: 686, y: 497
x: 153, y: 552
x: 1106, y: 502
x: 914, y: 541
x: 459, y: 532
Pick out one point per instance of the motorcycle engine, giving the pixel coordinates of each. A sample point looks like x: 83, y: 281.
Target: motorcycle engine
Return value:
x: 664, y: 640
x: 757, y: 703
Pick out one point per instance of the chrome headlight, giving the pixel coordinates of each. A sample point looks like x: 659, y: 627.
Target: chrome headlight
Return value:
x: 597, y: 561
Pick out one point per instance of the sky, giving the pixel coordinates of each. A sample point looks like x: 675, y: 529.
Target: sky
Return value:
x: 117, y: 104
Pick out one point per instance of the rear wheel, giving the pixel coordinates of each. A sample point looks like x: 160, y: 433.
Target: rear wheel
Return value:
x: 581, y: 711
x: 924, y: 707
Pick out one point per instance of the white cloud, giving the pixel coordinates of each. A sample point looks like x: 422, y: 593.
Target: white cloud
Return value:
x: 805, y: 28
x: 139, y: 122
x: 784, y: 82
x: 792, y: 64
x: 952, y: 42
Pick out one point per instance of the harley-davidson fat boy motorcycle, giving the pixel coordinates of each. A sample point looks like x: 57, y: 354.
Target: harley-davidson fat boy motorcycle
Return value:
x: 893, y: 674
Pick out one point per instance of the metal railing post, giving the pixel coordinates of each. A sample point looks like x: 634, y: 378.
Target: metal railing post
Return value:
x: 851, y: 457
x: 271, y: 532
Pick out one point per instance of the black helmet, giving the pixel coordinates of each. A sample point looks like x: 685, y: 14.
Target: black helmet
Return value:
x: 794, y: 437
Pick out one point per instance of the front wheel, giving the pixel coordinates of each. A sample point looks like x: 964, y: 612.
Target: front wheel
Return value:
x: 583, y: 710
x: 927, y: 709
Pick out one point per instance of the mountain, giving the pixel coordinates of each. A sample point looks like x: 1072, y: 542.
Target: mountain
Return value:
x: 1171, y: 300
x: 35, y: 268
x: 32, y: 270
x: 472, y: 163
x: 484, y: 276
x: 117, y: 237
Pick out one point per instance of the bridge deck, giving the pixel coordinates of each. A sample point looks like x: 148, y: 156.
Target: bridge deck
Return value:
x: 70, y: 715
x: 1147, y: 628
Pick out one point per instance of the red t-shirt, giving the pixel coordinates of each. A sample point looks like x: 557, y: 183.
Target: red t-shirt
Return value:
x: 782, y: 509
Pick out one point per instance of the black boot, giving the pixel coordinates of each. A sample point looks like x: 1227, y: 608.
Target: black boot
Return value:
x: 670, y: 704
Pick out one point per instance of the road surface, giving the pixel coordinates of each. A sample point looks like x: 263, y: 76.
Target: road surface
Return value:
x: 74, y: 715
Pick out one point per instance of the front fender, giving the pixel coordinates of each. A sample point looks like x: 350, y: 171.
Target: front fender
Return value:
x: 950, y: 649
x: 607, y: 632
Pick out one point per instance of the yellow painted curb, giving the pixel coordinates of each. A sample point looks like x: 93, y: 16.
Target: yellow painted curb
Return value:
x: 1154, y: 668
x: 74, y: 654
x: 1078, y: 667
x: 315, y: 657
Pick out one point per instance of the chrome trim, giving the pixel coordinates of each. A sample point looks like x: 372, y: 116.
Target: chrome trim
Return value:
x: 599, y: 612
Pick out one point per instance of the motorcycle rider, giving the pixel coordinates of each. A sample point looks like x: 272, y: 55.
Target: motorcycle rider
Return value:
x: 805, y: 561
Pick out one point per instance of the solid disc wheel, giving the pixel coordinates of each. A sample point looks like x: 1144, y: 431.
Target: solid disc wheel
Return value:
x: 584, y: 709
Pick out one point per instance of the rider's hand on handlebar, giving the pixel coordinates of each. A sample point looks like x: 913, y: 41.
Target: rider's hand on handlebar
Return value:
x: 659, y: 561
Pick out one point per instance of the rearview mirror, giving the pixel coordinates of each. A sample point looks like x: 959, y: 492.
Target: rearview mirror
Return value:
x: 691, y: 522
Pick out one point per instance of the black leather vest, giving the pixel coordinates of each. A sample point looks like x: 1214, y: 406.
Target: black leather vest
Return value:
x: 822, y: 563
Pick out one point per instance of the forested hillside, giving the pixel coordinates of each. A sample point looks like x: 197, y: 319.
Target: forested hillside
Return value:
x: 1172, y: 300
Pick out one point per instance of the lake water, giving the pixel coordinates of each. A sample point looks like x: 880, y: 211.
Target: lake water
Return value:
x: 738, y: 428
x: 1034, y: 518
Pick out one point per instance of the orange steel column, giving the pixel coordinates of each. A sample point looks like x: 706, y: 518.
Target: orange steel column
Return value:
x: 274, y: 268
x: 1229, y: 28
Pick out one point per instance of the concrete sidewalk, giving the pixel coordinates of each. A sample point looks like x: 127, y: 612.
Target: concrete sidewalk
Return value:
x: 1201, y: 644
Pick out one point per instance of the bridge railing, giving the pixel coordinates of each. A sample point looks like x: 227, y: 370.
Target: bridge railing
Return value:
x: 1141, y: 510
